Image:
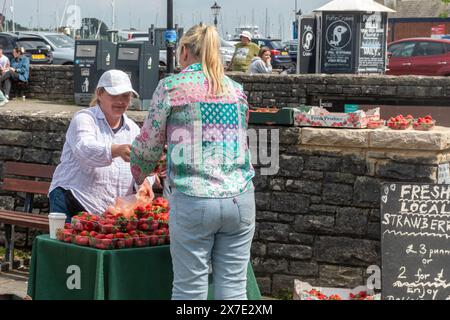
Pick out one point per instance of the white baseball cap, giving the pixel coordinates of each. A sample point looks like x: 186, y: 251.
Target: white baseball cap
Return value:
x: 247, y: 35
x: 116, y: 82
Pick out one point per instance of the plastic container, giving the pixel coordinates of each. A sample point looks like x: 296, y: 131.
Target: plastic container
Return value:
x: 82, y: 225
x: 80, y: 240
x: 108, y: 228
x: 375, y: 124
x: 124, y: 243
x: 424, y: 126
x: 102, y: 244
x: 141, y: 241
x: 64, y: 236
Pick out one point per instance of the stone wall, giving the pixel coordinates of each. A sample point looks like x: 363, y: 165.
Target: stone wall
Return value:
x: 55, y: 83
x: 318, y: 218
x: 50, y: 83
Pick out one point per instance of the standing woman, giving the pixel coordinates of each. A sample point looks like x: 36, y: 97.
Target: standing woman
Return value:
x: 202, y: 116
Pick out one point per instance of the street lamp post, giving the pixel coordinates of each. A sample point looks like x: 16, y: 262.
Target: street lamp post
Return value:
x: 170, y: 49
x: 215, y: 11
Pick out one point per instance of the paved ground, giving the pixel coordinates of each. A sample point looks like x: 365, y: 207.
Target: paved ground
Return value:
x: 37, y: 106
x: 13, y: 284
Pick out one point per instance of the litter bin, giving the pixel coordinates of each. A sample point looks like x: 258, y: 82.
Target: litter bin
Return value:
x: 140, y: 60
x: 92, y: 59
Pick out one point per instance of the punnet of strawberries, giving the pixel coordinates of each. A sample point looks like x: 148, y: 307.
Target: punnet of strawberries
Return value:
x: 424, y: 124
x: 147, y: 226
x: 400, y: 122
x: 315, y: 294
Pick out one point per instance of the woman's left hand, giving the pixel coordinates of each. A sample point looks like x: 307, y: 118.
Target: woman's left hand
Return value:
x: 146, y: 190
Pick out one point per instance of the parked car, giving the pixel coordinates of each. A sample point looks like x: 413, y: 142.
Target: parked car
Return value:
x: 162, y: 53
x: 280, y: 56
x: 37, y: 51
x: 227, y: 51
x: 292, y: 47
x: 419, y: 56
x: 62, y: 46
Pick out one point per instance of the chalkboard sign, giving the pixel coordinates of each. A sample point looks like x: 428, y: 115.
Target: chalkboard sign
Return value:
x: 339, y: 43
x: 372, y: 49
x: 308, y: 44
x: 415, y: 242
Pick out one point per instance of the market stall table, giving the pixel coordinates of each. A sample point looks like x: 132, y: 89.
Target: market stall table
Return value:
x: 61, y: 271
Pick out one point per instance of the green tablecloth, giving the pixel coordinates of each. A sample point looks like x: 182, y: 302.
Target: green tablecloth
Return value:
x: 127, y: 274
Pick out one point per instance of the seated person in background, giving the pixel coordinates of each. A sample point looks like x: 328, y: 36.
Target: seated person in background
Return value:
x: 261, y: 63
x: 4, y: 61
x: 18, y: 71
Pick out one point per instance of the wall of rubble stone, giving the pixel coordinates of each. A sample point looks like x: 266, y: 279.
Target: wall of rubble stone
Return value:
x: 55, y: 83
x: 318, y: 218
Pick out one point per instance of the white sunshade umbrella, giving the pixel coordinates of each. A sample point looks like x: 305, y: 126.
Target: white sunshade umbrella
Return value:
x: 354, y: 5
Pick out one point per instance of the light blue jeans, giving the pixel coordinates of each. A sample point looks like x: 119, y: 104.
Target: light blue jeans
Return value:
x: 216, y: 232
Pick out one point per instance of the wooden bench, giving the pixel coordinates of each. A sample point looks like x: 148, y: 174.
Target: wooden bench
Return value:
x: 14, y: 180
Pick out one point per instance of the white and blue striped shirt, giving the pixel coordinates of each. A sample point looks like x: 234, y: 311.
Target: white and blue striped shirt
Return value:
x: 87, y: 167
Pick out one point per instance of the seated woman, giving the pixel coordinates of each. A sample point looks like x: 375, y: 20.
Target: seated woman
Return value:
x: 19, y: 70
x: 261, y: 63
x: 95, y: 167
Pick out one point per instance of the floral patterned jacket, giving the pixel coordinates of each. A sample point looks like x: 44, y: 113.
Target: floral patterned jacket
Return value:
x: 208, y: 155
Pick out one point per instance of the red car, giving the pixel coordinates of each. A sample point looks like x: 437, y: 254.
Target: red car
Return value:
x: 419, y: 56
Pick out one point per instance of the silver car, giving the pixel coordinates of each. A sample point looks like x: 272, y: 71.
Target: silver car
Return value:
x: 62, y: 46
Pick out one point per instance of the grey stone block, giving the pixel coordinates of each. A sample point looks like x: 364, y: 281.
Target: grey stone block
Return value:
x: 289, y: 251
x: 262, y: 265
x: 289, y: 203
x: 351, y: 252
x: 298, y: 238
x: 324, y: 164
x: 304, y: 269
x: 340, y: 194
x: 314, y: 224
x: 274, y: 232
x: 395, y: 170
x: 266, y: 216
x: 259, y: 249
x: 352, y: 221
x: 15, y: 138
x: 340, y: 277
x: 304, y: 187
x: 367, y: 190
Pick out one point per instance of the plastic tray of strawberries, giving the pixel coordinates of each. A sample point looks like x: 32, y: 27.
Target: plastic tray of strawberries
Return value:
x: 79, y: 224
x: 102, y: 244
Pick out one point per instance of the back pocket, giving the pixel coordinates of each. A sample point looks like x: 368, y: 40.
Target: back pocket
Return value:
x: 246, y: 206
x: 188, y: 211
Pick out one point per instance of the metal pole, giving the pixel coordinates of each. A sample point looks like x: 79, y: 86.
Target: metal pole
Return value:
x: 13, y: 16
x: 170, y: 66
x: 113, y: 14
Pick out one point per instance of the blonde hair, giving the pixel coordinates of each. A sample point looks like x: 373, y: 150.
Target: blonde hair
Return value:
x: 203, y: 41
x: 95, y: 100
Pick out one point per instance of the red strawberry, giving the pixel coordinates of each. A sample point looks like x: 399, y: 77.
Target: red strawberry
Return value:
x: 81, y: 240
x: 109, y: 236
x: 93, y: 234
x: 84, y: 233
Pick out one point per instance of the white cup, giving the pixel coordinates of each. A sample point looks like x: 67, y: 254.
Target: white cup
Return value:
x: 56, y: 221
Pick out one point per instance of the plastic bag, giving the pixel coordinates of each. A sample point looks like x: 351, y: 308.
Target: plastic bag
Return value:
x: 126, y: 205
